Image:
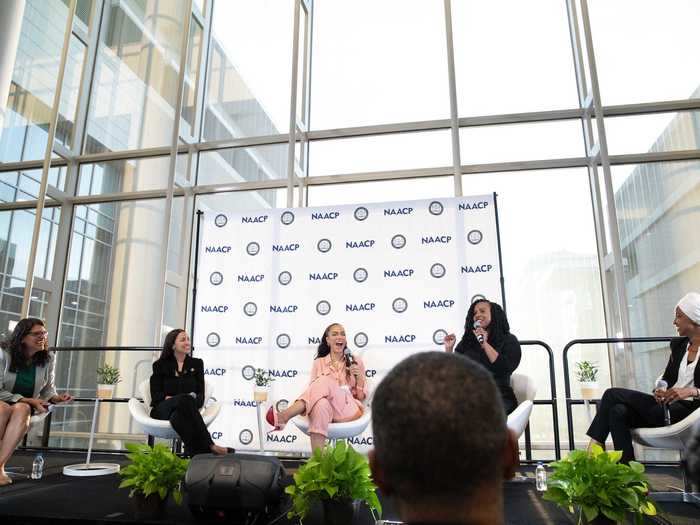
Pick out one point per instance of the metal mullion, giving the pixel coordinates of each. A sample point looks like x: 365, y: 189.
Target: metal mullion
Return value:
x: 47, y: 162
x: 454, y: 114
x: 618, y: 275
x: 291, y: 176
x: 655, y: 156
x: 200, y: 98
x: 266, y: 140
x: 160, y: 151
x: 26, y: 165
x: 87, y: 80
x: 170, y: 192
x: 593, y: 181
x: 648, y: 108
x: 126, y: 196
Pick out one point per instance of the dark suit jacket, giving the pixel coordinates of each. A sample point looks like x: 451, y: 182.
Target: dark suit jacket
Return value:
x: 166, y: 382
x: 678, y: 347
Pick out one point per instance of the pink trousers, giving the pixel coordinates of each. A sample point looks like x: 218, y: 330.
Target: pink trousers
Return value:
x: 326, y: 402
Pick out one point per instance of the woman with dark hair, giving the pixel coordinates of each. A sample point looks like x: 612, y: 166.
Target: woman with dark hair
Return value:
x: 488, y: 341
x: 27, y: 371
x: 622, y: 409
x: 335, y: 392
x: 177, y: 394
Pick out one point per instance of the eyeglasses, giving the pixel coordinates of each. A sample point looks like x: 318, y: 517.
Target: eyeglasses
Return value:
x: 38, y: 335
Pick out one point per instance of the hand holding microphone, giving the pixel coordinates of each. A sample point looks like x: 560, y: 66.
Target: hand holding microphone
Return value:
x: 350, y: 362
x: 659, y: 393
x: 479, y: 332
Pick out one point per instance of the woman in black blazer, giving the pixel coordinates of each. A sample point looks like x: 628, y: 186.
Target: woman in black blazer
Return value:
x: 622, y: 410
x: 177, y: 394
x: 488, y: 341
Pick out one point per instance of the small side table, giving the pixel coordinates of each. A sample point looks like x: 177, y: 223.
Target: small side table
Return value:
x: 91, y: 469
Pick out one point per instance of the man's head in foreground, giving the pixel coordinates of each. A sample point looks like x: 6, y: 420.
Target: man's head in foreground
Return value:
x: 441, y: 446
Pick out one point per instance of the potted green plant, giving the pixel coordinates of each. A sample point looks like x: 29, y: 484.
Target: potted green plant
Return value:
x: 587, y: 376
x: 107, y: 378
x: 336, y: 476
x: 597, y: 488
x: 153, y: 474
x: 262, y: 384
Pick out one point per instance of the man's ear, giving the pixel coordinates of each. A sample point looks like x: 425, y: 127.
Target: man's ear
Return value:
x: 377, y: 473
x: 511, y: 455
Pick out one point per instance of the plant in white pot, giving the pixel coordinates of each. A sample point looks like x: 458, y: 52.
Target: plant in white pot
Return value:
x: 107, y: 378
x: 587, y: 376
x: 262, y: 384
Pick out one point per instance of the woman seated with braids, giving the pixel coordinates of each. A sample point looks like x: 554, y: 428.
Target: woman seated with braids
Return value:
x: 488, y: 341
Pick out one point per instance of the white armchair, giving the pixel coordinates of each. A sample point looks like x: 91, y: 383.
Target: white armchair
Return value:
x: 672, y: 437
x: 525, y: 389
x: 141, y: 410
x: 338, y: 431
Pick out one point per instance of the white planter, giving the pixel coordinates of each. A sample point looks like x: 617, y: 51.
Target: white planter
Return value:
x: 105, y: 391
x: 260, y: 393
x: 589, y: 389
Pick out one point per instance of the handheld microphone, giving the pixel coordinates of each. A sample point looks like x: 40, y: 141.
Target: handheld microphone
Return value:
x: 480, y: 338
x: 349, y: 359
x: 662, y: 385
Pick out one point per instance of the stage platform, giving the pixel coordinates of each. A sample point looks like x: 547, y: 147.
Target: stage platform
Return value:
x: 58, y: 499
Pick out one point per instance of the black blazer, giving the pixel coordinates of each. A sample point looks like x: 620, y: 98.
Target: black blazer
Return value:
x: 678, y: 348
x: 166, y: 382
x: 509, y: 354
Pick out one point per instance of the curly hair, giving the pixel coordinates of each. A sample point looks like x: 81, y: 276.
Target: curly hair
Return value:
x: 14, y: 346
x: 497, y: 329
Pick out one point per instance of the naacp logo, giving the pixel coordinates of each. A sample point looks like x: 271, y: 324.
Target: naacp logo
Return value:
x: 253, y: 248
x: 439, y: 336
x: 435, y: 208
x: 360, y: 275
x: 213, y: 339
x: 216, y: 278
x: 248, y: 372
x: 284, y: 278
x: 361, y: 213
x: 437, y: 270
x: 220, y: 220
x: 478, y: 297
x: 475, y: 236
x: 246, y: 436
x: 398, y: 241
x: 323, y: 307
x: 399, y: 305
x: 361, y: 340
x: 324, y: 245
x: 283, y: 340
x: 282, y: 405
x: 287, y: 218
x: 250, y: 309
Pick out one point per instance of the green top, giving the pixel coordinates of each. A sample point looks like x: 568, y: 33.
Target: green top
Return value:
x: 24, y: 382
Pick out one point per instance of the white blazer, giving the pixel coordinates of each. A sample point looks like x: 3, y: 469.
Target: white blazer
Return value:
x: 43, y: 382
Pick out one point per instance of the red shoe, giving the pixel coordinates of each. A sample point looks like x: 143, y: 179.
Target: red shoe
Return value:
x: 272, y: 418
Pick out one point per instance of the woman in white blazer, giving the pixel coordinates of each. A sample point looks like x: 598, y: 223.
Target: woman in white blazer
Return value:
x: 27, y: 371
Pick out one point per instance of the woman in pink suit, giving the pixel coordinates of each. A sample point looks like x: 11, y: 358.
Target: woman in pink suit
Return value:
x: 335, y: 392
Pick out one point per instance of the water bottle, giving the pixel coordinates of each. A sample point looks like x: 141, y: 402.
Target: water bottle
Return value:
x: 541, y: 478
x: 38, y: 467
